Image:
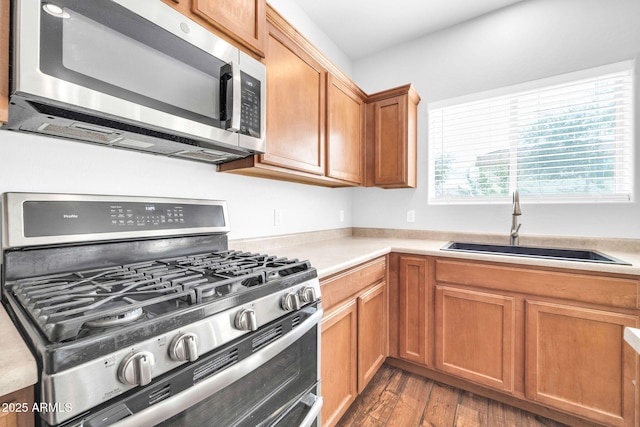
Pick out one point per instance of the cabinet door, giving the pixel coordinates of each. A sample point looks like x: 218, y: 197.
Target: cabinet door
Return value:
x: 242, y: 20
x: 8, y: 419
x: 412, y: 309
x: 339, y: 362
x: 372, y: 333
x: 295, y: 107
x: 390, y: 141
x: 577, y: 361
x: 17, y: 409
x: 4, y: 61
x: 345, y: 132
x: 475, y: 336
x: 391, y: 138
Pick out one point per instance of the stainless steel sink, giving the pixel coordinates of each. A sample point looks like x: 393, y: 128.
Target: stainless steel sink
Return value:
x: 535, y: 252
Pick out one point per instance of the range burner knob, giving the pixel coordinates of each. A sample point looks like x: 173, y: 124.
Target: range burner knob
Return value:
x: 136, y: 368
x: 308, y: 294
x: 246, y: 320
x: 290, y: 301
x: 184, y: 347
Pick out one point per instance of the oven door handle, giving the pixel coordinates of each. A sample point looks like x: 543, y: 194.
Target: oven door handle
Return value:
x: 316, y: 405
x: 174, y: 405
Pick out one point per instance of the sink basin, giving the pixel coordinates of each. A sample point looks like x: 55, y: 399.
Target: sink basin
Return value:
x: 535, y: 252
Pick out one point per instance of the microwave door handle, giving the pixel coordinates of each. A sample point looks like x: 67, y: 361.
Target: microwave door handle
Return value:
x: 234, y: 97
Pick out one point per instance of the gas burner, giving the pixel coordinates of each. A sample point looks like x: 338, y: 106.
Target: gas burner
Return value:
x: 235, y: 287
x: 116, y: 319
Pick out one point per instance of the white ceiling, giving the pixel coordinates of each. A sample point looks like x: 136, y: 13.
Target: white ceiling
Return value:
x: 362, y: 27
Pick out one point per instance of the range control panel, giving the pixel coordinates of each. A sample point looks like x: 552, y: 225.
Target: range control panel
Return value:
x: 61, y: 218
x: 152, y: 214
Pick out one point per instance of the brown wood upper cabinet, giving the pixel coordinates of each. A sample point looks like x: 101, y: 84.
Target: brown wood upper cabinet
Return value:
x: 242, y: 22
x: 345, y: 131
x: 391, y: 135
x: 295, y: 107
x: 315, y: 116
x: 4, y: 61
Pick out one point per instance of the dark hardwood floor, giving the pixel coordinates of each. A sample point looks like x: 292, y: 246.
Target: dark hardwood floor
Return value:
x: 398, y: 398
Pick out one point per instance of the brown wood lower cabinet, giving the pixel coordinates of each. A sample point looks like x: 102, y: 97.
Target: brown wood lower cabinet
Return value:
x: 547, y: 340
x: 413, y: 292
x: 577, y: 361
x: 16, y: 409
x: 372, y: 326
x: 475, y: 336
x: 354, y: 335
x: 339, y: 362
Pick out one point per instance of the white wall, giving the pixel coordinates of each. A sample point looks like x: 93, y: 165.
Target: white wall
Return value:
x: 297, y: 17
x: 38, y: 164
x: 527, y: 41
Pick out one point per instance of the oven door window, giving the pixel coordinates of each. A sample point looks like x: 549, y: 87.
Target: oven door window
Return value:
x: 103, y: 46
x: 263, y: 395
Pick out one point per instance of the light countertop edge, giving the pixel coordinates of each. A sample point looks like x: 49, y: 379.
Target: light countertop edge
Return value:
x: 632, y: 337
x: 332, y: 256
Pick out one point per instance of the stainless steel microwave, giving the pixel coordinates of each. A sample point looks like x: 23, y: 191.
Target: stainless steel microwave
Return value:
x: 134, y: 74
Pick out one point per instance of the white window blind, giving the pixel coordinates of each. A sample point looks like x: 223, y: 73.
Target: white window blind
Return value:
x: 569, y: 138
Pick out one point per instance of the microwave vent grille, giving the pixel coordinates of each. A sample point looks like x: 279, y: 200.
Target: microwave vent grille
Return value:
x: 56, y: 121
x: 76, y: 132
x: 206, y: 156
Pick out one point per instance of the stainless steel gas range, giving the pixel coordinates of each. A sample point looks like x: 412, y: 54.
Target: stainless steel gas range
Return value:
x: 139, y: 314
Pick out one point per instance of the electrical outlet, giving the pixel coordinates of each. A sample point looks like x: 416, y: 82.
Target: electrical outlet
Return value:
x: 411, y: 216
x: 341, y: 215
x: 277, y: 217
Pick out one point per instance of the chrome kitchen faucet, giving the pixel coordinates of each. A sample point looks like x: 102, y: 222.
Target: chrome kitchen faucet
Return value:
x: 515, y: 227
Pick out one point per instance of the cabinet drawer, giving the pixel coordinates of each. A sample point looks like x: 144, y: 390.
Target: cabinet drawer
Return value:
x: 344, y: 285
x: 609, y: 291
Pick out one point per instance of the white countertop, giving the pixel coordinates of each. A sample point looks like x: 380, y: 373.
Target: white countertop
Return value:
x: 18, y: 368
x: 332, y: 256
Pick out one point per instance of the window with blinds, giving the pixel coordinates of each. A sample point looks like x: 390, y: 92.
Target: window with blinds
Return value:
x: 569, y: 138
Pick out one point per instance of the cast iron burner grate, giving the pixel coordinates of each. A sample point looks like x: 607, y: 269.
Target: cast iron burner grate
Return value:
x: 73, y: 305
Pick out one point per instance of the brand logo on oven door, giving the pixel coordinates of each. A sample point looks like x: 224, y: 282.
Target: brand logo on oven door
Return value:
x: 70, y: 216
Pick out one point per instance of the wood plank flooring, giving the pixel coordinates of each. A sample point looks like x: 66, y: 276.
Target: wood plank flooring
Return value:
x: 395, y: 398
